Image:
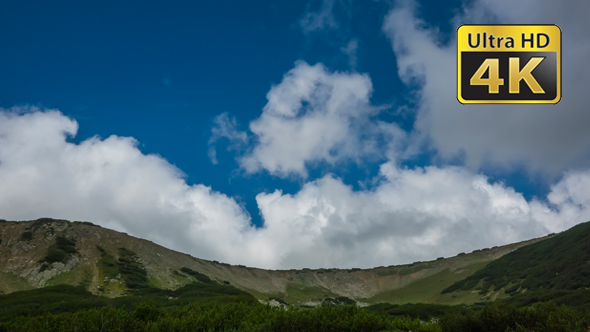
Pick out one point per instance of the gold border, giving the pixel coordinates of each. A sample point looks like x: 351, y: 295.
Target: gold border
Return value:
x: 458, y: 77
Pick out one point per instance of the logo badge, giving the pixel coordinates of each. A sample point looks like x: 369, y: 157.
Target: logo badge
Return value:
x: 508, y: 64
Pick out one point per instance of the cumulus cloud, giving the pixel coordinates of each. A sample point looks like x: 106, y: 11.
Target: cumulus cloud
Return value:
x: 545, y: 138
x: 315, y: 115
x: 411, y: 214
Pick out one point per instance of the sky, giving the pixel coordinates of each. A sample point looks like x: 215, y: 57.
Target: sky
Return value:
x: 286, y: 134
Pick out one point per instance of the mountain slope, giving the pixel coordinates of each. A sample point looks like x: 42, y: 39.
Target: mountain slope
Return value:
x: 560, y: 263
x: 47, y: 252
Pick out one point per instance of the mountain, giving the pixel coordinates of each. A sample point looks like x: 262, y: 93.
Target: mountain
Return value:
x: 45, y: 252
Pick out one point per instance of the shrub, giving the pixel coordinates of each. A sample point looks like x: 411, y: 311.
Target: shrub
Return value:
x: 26, y: 236
x: 55, y: 255
x: 107, y: 264
x: 132, y: 271
x: 199, y: 276
x: 61, y: 251
x: 546, y: 317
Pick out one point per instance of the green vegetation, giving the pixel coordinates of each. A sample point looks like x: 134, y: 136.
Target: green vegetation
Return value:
x: 65, y: 298
x: 66, y: 308
x: 425, y: 312
x: 217, y: 317
x: 55, y: 299
x: 558, y: 263
x: 214, y: 307
x: 546, y: 317
x: 199, y: 276
x: 61, y: 251
x: 578, y: 299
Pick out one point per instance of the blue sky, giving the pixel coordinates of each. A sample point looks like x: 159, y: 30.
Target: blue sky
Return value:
x: 160, y: 72
x: 167, y: 74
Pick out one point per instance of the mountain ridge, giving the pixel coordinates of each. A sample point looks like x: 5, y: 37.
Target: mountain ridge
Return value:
x: 39, y: 253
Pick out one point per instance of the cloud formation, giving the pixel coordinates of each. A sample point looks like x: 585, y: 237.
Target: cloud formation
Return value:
x: 544, y: 138
x: 313, y: 116
x: 410, y: 214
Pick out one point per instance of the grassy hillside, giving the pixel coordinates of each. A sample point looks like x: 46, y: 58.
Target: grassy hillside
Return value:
x: 558, y: 267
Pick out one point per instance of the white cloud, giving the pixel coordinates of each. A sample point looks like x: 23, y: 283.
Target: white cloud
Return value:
x: 315, y: 115
x: 545, y: 138
x: 411, y: 214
